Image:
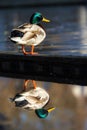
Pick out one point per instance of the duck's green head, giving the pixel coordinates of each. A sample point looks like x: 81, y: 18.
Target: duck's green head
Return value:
x: 42, y: 113
x: 37, y: 17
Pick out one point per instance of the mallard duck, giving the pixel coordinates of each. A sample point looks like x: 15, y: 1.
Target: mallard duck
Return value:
x: 30, y: 34
x: 34, y: 99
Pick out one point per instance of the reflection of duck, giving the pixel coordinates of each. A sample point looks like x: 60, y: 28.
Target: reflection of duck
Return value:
x: 30, y: 34
x: 26, y: 84
x: 34, y: 99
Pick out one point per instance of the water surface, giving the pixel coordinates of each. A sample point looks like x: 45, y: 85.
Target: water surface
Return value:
x: 66, y: 33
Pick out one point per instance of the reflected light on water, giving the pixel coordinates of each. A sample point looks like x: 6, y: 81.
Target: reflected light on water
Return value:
x: 83, y: 26
x: 79, y: 91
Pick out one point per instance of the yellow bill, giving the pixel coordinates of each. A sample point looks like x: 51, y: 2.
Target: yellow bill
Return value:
x: 45, y: 20
x: 51, y: 109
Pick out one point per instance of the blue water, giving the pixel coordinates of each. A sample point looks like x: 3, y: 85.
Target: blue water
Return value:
x: 66, y: 33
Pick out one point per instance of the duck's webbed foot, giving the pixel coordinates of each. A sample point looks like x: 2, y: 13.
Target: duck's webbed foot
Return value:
x: 34, y: 84
x: 25, y: 85
x: 29, y: 53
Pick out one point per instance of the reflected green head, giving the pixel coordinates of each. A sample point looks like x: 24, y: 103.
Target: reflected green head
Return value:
x: 41, y: 113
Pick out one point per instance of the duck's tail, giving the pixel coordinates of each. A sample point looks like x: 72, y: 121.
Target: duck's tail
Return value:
x: 19, y: 102
x: 11, y: 99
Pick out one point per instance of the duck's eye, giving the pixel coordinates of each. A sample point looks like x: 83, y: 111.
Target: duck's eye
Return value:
x: 39, y: 18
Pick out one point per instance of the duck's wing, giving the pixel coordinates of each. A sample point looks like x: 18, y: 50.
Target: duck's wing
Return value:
x: 28, y: 34
x: 33, y: 99
x: 27, y: 102
x: 22, y: 31
x: 34, y: 35
x: 21, y: 103
x: 37, y: 99
x: 16, y: 33
x: 34, y: 102
x: 23, y: 26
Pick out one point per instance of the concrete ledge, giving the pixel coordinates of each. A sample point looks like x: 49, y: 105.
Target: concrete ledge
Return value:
x: 71, y: 70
